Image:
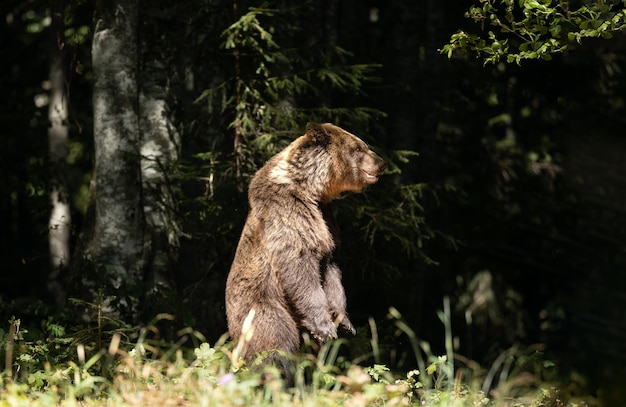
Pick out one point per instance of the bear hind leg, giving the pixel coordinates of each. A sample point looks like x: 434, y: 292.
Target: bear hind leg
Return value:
x: 273, y: 329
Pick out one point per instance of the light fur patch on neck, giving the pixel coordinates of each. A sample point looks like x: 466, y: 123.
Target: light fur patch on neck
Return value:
x: 281, y: 174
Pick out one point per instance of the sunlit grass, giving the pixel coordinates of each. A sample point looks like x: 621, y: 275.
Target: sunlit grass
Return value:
x: 144, y: 375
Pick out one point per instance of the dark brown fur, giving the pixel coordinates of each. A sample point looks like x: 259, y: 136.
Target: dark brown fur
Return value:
x: 283, y: 268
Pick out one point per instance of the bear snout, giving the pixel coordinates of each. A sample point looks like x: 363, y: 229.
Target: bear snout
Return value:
x: 373, y: 167
x: 382, y: 165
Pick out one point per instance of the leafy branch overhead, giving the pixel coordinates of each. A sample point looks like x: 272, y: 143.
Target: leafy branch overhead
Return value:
x: 516, y: 30
x: 276, y: 86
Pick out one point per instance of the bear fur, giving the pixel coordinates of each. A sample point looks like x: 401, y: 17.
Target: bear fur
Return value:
x: 283, y: 268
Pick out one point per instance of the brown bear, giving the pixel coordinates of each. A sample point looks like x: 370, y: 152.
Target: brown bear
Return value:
x: 283, y: 278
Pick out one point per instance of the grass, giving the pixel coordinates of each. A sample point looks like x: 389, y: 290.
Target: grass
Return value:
x: 150, y: 373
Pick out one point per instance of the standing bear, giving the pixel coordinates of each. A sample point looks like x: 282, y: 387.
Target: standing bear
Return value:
x: 283, y: 278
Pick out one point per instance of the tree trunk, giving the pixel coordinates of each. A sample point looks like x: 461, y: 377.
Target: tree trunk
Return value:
x: 115, y: 250
x: 130, y: 238
x: 160, y: 146
x: 60, y: 219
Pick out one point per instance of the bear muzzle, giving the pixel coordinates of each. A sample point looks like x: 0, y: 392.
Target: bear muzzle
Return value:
x: 370, y: 178
x: 374, y: 167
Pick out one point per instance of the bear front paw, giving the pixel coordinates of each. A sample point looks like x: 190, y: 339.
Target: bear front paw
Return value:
x: 323, y: 329
x: 346, y: 327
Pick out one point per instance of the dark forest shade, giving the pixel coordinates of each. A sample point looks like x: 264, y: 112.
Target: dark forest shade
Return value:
x: 512, y: 208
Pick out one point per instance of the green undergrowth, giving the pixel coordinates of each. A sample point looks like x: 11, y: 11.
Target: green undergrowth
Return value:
x: 148, y: 372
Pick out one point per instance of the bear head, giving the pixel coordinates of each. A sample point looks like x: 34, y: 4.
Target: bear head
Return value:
x: 350, y: 165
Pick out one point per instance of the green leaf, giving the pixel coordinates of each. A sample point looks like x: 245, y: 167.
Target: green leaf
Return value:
x: 556, y: 30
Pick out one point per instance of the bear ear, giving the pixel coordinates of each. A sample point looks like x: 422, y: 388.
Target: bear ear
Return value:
x: 318, y: 133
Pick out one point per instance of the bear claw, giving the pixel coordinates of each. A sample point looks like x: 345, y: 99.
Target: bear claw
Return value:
x: 346, y: 327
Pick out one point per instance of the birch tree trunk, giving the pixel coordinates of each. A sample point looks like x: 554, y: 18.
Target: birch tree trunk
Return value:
x: 60, y: 218
x: 115, y: 250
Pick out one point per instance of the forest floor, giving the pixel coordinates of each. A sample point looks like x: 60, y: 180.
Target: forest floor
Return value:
x: 209, y: 378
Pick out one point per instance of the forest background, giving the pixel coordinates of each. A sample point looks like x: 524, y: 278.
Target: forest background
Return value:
x: 131, y: 129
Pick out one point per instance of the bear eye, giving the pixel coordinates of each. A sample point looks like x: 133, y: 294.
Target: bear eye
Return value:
x: 359, y: 149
